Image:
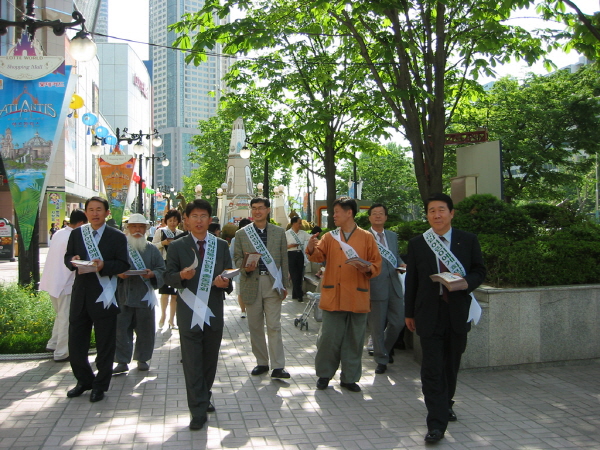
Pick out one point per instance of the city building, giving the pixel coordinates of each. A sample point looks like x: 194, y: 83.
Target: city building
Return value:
x: 183, y: 93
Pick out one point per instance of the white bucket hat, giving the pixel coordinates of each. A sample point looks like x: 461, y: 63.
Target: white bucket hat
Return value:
x: 137, y: 218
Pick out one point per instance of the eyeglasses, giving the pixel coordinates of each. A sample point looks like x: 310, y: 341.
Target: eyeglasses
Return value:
x: 201, y: 217
x: 261, y: 208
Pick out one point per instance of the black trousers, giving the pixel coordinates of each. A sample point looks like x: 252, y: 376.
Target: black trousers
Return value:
x: 296, y: 268
x: 442, y: 352
x: 80, y: 331
x: 200, y: 355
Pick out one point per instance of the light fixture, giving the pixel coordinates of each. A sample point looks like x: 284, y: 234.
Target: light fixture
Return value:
x: 220, y: 191
x: 259, y: 186
x: 95, y: 149
x: 224, y: 186
x: 82, y: 48
x: 281, y: 188
x: 245, y: 152
x: 157, y: 141
x: 138, y: 148
x: 165, y: 162
x: 198, y: 189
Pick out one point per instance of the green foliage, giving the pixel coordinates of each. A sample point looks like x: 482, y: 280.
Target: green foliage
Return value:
x: 485, y: 214
x: 26, y: 319
x: 551, y: 218
x: 388, y: 178
x: 549, y: 126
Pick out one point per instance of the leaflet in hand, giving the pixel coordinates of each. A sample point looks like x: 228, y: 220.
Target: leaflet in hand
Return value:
x: 249, y: 258
x: 135, y: 272
x: 230, y: 273
x: 85, y: 266
x: 358, y: 262
x: 194, y: 264
x: 451, y: 281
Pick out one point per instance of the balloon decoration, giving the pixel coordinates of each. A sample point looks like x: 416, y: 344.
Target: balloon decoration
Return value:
x: 76, y: 103
x: 110, y: 140
x: 89, y: 119
x: 101, y: 132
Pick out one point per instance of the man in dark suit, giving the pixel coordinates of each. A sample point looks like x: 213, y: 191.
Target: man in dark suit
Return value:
x: 441, y: 318
x: 386, y: 318
x: 92, y: 300
x: 200, y: 333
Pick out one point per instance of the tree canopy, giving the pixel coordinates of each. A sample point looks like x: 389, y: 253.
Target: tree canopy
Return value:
x: 548, y: 127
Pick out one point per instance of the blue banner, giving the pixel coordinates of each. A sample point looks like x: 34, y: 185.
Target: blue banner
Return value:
x: 32, y: 116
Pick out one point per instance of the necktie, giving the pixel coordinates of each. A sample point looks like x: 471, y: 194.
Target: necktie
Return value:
x: 443, y: 268
x: 94, y: 233
x: 201, y: 250
x: 381, y: 238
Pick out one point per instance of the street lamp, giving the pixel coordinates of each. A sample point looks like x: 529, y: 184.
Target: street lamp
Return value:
x: 82, y: 48
x: 162, y: 158
x: 198, y: 191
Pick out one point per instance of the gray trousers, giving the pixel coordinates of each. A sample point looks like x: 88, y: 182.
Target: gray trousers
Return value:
x: 143, y: 322
x: 266, y: 309
x: 341, y: 340
x: 386, y: 321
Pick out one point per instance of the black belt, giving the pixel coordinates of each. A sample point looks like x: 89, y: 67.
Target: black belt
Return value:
x: 263, y: 272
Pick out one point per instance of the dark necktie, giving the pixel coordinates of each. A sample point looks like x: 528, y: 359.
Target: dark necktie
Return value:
x: 381, y: 238
x: 94, y: 233
x: 443, y: 268
x: 201, y: 250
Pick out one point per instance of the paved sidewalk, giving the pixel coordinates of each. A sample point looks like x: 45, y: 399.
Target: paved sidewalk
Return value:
x: 555, y: 407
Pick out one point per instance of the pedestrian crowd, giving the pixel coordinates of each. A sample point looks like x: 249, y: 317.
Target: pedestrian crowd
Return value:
x: 103, y: 279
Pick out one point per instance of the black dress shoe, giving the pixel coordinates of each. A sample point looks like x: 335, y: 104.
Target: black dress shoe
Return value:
x: 96, y: 395
x: 451, y: 416
x: 211, y: 407
x: 197, y: 423
x: 381, y: 368
x: 322, y: 383
x: 434, y: 436
x: 280, y: 373
x: 78, y: 390
x: 259, y: 370
x: 353, y: 387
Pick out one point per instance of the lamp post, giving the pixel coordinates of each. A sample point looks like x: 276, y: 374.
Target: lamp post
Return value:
x: 162, y: 158
x: 245, y: 153
x: 82, y: 49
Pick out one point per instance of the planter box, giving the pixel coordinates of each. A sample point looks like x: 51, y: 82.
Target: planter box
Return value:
x: 533, y: 325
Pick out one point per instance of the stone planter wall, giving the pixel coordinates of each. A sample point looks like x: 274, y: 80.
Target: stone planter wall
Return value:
x: 534, y: 325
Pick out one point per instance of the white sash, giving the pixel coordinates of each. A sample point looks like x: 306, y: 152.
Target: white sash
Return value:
x: 385, y: 253
x: 261, y: 248
x: 445, y: 256
x: 198, y: 302
x: 300, y: 246
x: 168, y: 233
x: 348, y: 250
x: 138, y: 262
x: 109, y: 285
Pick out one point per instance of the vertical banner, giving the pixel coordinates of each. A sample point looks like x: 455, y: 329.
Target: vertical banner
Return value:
x: 56, y: 208
x: 117, y: 171
x: 160, y: 207
x: 32, y: 116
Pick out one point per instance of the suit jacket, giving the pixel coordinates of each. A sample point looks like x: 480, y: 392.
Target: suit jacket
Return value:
x: 87, y: 288
x: 277, y: 246
x: 422, y: 296
x: 388, y: 281
x: 181, y: 255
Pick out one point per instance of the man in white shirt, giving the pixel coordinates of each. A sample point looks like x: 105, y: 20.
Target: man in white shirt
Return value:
x: 296, y: 243
x: 57, y: 280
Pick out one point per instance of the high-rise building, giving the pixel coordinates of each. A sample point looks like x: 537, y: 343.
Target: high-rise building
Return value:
x: 183, y: 94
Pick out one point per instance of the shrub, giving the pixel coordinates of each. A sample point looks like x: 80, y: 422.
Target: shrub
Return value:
x: 549, y: 218
x: 407, y: 231
x: 26, y: 319
x: 486, y: 214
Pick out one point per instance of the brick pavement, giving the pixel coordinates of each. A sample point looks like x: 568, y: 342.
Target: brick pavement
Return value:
x: 526, y: 408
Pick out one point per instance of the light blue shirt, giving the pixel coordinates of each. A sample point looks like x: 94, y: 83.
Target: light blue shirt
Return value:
x: 99, y: 232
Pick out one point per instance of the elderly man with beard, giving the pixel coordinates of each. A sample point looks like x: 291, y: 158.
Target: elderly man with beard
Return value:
x: 136, y: 297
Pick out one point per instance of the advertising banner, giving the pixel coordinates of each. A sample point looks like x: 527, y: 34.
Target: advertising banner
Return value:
x: 117, y: 171
x: 160, y: 207
x: 56, y: 209
x: 32, y: 115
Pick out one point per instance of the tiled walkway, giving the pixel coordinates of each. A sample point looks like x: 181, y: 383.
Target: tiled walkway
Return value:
x: 542, y: 408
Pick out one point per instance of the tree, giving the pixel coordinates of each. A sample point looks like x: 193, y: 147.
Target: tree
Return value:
x: 424, y: 56
x: 582, y: 30
x: 388, y: 178
x: 548, y: 127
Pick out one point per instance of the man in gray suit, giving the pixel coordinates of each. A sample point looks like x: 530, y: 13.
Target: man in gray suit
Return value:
x: 387, y: 300
x: 194, y: 266
x: 263, y: 286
